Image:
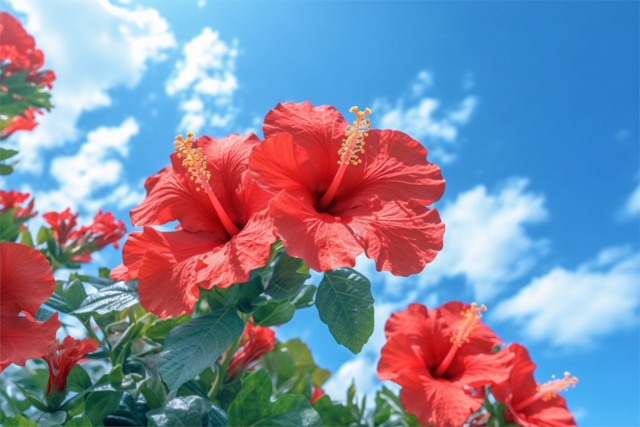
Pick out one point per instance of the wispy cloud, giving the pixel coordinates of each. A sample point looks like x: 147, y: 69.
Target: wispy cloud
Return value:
x: 96, y: 167
x: 205, y: 82
x: 111, y: 47
x: 631, y: 208
x: 423, y: 118
x: 486, y: 239
x: 574, y: 307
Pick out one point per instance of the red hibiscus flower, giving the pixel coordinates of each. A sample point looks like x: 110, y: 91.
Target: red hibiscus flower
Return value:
x: 440, y: 357
x: 62, y: 357
x: 24, y: 121
x: 18, y: 51
x: 27, y: 282
x: 256, y: 341
x: 13, y: 200
x: 336, y: 200
x: 317, y: 394
x: 103, y: 231
x: 63, y: 225
x: 531, y: 404
x: 225, y: 230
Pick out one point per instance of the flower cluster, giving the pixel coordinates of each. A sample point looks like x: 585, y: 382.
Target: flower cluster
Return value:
x: 446, y: 357
x: 13, y: 200
x: 310, y: 183
x: 21, y: 60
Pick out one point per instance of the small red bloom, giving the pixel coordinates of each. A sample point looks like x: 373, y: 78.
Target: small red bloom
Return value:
x: 61, y: 358
x: 63, y: 225
x: 225, y: 231
x: 26, y: 282
x: 18, y: 52
x: 328, y: 212
x: 531, y: 404
x: 256, y: 341
x: 103, y: 231
x: 13, y: 199
x: 439, y: 357
x: 24, y: 121
x: 317, y: 394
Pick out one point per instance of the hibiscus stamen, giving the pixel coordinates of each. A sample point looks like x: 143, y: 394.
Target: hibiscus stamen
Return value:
x: 352, y: 144
x: 549, y: 390
x: 467, y: 325
x: 196, y: 164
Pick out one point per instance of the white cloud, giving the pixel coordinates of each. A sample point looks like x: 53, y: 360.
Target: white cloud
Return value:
x: 96, y: 166
x: 425, y: 120
x: 574, y: 307
x: 632, y: 206
x: 205, y: 82
x: 92, y: 46
x: 486, y: 238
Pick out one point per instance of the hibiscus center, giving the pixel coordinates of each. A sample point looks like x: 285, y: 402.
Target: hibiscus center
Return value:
x: 352, y: 144
x: 469, y: 322
x: 196, y: 164
x: 548, y: 390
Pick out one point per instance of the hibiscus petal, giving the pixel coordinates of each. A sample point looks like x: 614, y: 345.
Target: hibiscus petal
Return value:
x: 22, y: 339
x: 246, y: 251
x: 437, y: 402
x: 319, y: 130
x: 521, y: 384
x: 26, y: 279
x: 399, y: 356
x: 394, y: 167
x: 279, y: 163
x: 401, y: 237
x: 481, y: 369
x: 323, y: 241
x: 552, y: 413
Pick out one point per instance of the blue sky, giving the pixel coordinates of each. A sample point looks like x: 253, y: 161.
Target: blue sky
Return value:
x: 530, y: 108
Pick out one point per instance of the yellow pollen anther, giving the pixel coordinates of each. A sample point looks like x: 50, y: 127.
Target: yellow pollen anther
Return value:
x: 353, y: 142
x: 193, y: 160
x: 550, y: 389
x: 471, y: 318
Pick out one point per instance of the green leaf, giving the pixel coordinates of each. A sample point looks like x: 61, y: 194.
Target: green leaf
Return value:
x: 248, y: 293
x: 50, y: 420
x: 161, y: 328
x: 333, y: 414
x: 253, y: 406
x: 116, y: 297
x: 6, y: 153
x: 25, y: 238
x: 289, y: 274
x: 153, y: 391
x: 128, y: 413
x: 67, y: 296
x: 305, y: 296
x: 19, y: 421
x: 280, y: 366
x: 99, y: 404
x: 78, y: 379
x: 320, y: 376
x: 197, y: 344
x: 183, y: 411
x: 82, y: 421
x: 274, y: 313
x: 5, y: 169
x: 33, y: 398
x: 116, y: 376
x: 345, y: 303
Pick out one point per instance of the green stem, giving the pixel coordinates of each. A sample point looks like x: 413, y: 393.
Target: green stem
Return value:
x: 222, y: 367
x: 90, y: 331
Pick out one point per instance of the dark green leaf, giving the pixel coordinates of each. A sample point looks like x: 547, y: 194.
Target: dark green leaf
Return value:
x: 116, y: 297
x: 274, y: 313
x: 78, y: 379
x: 49, y: 420
x: 6, y: 153
x: 161, y: 328
x: 253, y: 406
x: 248, y: 293
x: 289, y: 274
x: 280, y: 366
x: 197, y: 344
x: 43, y: 314
x: 181, y: 411
x: 33, y: 398
x: 153, y: 391
x: 82, y: 421
x: 99, y: 404
x: 67, y: 296
x: 305, y: 296
x: 345, y: 303
x: 333, y: 414
x: 19, y: 421
x: 128, y: 413
x: 5, y: 169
